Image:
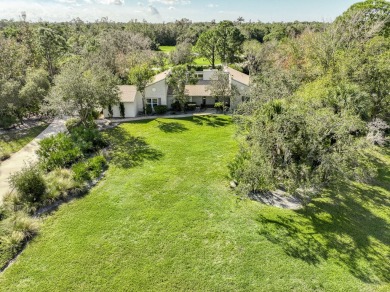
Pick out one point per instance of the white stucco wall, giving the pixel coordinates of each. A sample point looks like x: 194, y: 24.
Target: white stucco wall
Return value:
x: 130, y: 110
x: 158, y: 90
x: 243, y: 91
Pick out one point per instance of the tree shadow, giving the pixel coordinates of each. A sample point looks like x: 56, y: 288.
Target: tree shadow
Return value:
x: 208, y: 120
x: 340, y: 227
x: 127, y: 151
x: 173, y: 127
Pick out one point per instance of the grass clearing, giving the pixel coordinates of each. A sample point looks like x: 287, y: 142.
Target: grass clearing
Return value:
x: 13, y: 141
x: 198, y: 61
x: 167, y: 49
x: 164, y: 219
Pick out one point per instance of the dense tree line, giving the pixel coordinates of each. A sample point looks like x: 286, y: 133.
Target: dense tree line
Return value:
x: 33, y: 54
x: 318, y: 102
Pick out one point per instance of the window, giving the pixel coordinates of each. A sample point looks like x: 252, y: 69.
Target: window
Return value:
x: 153, y: 101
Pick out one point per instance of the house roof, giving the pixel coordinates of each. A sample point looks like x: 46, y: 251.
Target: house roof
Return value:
x: 160, y: 76
x: 238, y: 76
x: 197, y: 90
x: 127, y: 93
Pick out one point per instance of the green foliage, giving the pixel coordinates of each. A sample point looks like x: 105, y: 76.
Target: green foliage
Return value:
x: 229, y: 41
x: 296, y: 145
x: 179, y: 77
x: 29, y: 184
x: 160, y: 109
x: 190, y: 106
x: 58, y: 151
x: 88, y: 138
x: 7, y: 120
x: 175, y: 106
x: 206, y: 46
x: 122, y: 109
x: 59, y: 183
x: 140, y: 76
x: 148, y: 109
x: 182, y: 54
x: 72, y: 123
x: 218, y: 105
x: 82, y: 88
x: 89, y: 169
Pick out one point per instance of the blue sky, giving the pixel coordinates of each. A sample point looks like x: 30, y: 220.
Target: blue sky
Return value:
x: 170, y: 10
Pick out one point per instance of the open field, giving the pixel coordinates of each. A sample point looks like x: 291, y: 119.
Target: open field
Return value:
x: 165, y: 219
x: 198, y: 61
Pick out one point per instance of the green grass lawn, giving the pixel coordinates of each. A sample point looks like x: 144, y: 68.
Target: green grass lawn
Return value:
x: 14, y: 141
x: 164, y: 219
x: 167, y: 49
x: 198, y: 61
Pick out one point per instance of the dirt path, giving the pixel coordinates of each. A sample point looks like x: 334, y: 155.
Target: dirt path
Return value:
x: 27, y: 154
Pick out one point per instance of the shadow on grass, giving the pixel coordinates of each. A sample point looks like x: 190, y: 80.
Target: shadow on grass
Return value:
x: 208, y: 120
x: 339, y: 227
x: 173, y: 127
x: 127, y: 151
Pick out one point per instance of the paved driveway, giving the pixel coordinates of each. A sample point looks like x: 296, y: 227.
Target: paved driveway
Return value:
x: 27, y: 154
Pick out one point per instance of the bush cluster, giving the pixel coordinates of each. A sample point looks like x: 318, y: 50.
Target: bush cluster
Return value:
x: 175, y: 106
x: 89, y: 169
x: 58, y: 151
x: 190, y: 106
x: 160, y: 109
x: 88, y: 139
x: 29, y: 184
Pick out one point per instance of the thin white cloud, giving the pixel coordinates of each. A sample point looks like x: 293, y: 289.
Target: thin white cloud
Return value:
x: 171, y: 8
x: 211, y: 5
x: 67, y: 1
x: 109, y: 2
x: 171, y: 2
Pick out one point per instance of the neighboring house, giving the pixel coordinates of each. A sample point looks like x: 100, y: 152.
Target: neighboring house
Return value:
x: 159, y: 93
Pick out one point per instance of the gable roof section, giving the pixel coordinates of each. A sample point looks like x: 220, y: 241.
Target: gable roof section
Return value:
x: 238, y: 76
x: 127, y: 93
x: 197, y: 90
x: 160, y: 76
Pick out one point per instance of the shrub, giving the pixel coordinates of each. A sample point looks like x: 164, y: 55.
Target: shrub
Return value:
x: 190, y: 106
x: 95, y: 114
x: 72, y: 123
x: 160, y: 109
x: 23, y: 223
x: 58, y: 151
x: 122, y: 109
x: 89, y: 169
x: 218, y: 105
x: 15, y: 230
x: 175, y: 106
x: 149, y: 110
x: 88, y: 138
x: 29, y: 183
x: 59, y: 182
x: 6, y: 120
x: 4, y: 155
